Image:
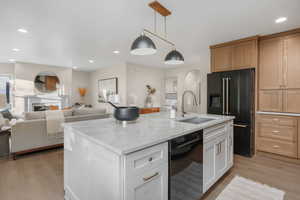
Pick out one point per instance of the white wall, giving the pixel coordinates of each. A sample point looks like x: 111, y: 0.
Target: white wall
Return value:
x: 81, y: 80
x: 138, y: 77
x: 25, y: 74
x: 109, y: 72
x: 7, y: 68
x: 181, y: 71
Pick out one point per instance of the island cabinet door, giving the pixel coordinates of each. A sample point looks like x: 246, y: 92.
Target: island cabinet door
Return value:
x: 209, y: 164
x: 221, y: 155
x: 149, y: 185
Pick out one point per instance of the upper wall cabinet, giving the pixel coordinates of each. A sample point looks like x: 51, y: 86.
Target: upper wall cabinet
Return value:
x: 245, y: 55
x: 270, y: 60
x: 221, y: 59
x: 241, y: 54
x: 292, y: 61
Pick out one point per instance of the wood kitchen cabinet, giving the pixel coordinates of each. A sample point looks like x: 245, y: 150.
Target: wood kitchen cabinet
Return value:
x: 221, y: 59
x: 292, y: 61
x: 279, y: 71
x: 291, y: 101
x: 270, y: 100
x: 240, y: 54
x: 298, y: 138
x: 270, y: 67
x: 278, y: 135
x: 244, y: 55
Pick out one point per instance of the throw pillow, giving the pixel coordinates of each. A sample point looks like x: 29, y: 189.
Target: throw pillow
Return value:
x: 7, y: 115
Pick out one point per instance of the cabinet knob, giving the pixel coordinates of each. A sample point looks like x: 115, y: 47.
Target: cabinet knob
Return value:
x: 150, y: 159
x: 276, y: 146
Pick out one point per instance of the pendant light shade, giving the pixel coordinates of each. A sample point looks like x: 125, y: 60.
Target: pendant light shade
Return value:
x: 143, y: 45
x: 174, y: 58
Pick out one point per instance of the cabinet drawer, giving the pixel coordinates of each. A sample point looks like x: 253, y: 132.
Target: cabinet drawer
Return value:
x: 213, y: 132
x: 278, y: 132
x: 146, y: 159
x: 277, y: 147
x: 277, y: 120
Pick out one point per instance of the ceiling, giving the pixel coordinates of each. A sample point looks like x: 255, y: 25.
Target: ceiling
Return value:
x: 71, y: 32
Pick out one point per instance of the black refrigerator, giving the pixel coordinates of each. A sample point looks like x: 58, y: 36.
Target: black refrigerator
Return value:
x: 233, y: 93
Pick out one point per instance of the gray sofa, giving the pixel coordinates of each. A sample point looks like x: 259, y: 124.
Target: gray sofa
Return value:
x: 31, y: 134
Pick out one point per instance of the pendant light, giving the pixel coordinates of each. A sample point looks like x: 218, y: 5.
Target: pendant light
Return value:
x: 143, y: 45
x: 174, y: 58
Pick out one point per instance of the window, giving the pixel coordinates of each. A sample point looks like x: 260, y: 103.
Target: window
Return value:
x: 5, y: 88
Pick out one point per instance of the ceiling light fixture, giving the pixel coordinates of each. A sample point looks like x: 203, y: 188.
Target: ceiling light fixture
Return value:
x: 91, y: 61
x: 116, y: 52
x: 11, y: 60
x: 75, y: 67
x: 22, y: 30
x: 16, y: 50
x: 143, y: 45
x: 174, y: 58
x: 280, y: 20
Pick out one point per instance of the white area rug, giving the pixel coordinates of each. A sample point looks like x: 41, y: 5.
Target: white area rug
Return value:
x: 244, y: 189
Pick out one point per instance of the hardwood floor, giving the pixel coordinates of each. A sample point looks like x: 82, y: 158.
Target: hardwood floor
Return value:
x: 39, y: 176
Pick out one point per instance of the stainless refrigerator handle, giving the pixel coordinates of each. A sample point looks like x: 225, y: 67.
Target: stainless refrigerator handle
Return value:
x: 227, y: 96
x: 223, y: 79
x: 240, y: 125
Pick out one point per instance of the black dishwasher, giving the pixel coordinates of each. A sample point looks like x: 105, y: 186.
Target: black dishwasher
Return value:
x: 186, y: 167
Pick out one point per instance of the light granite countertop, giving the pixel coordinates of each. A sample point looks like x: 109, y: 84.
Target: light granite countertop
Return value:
x: 147, y: 131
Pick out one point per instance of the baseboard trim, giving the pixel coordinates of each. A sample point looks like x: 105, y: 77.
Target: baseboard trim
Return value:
x: 279, y: 157
x: 37, y: 149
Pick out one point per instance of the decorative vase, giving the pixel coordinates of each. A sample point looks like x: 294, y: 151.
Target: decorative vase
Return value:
x: 149, y: 101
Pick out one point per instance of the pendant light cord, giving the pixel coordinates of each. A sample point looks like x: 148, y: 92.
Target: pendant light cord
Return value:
x: 155, y: 25
x: 165, y: 19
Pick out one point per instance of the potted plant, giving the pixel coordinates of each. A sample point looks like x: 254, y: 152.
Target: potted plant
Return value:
x: 149, y: 99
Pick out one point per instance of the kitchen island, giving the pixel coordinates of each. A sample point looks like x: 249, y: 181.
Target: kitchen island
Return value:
x: 105, y: 159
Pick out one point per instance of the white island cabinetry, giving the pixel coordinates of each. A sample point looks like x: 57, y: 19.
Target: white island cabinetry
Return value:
x: 105, y: 160
x: 217, y: 153
x: 146, y: 174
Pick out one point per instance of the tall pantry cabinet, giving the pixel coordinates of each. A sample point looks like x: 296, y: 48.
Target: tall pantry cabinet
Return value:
x: 279, y: 72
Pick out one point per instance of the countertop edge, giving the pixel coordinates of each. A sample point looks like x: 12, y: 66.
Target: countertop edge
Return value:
x: 159, y: 141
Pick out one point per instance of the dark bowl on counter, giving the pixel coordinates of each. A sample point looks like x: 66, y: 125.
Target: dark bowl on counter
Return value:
x: 127, y: 113
x: 130, y: 113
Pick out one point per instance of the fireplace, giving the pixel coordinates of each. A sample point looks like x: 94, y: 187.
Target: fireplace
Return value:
x: 44, y: 107
x: 41, y: 103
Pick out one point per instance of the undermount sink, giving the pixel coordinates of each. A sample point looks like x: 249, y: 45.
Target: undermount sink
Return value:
x: 196, y: 120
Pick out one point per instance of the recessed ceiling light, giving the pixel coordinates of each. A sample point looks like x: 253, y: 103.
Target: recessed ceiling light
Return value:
x: 16, y: 50
x: 11, y: 60
x: 22, y: 30
x: 280, y: 20
x: 91, y: 61
x: 116, y: 52
x: 75, y: 67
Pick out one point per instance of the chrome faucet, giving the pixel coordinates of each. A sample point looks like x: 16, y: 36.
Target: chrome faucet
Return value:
x: 182, y: 100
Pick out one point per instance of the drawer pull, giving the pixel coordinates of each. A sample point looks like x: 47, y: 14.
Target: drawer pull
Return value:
x: 275, y: 131
x: 276, y: 146
x: 150, y: 177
